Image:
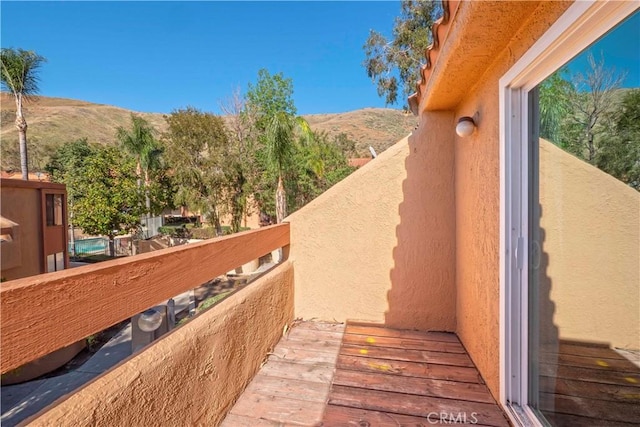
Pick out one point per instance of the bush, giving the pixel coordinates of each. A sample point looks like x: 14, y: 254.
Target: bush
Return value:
x: 180, y: 231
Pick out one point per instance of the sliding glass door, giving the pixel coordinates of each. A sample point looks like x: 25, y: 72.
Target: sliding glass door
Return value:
x: 582, y: 177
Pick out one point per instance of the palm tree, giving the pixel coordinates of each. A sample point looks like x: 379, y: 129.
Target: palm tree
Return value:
x: 20, y: 77
x: 281, y: 131
x: 139, y: 141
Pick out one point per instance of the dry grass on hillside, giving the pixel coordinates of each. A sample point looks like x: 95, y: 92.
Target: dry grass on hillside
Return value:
x: 55, y: 121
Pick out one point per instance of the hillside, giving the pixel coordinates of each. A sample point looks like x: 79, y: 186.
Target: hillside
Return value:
x: 54, y: 121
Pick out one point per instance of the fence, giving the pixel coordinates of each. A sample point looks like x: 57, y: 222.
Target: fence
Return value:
x: 100, y: 246
x: 150, y: 226
x: 90, y: 246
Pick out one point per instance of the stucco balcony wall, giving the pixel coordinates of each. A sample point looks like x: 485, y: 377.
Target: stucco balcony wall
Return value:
x: 193, y: 375
x: 379, y: 246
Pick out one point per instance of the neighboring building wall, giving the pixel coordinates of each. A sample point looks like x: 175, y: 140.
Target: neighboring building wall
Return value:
x: 591, y: 226
x: 193, y: 375
x: 22, y: 205
x: 379, y: 245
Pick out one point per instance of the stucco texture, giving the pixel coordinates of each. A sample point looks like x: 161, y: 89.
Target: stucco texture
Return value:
x: 379, y: 246
x: 485, y: 40
x: 590, y: 263
x: 193, y: 375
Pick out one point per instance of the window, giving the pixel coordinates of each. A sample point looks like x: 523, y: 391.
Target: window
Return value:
x: 55, y: 262
x: 54, y: 209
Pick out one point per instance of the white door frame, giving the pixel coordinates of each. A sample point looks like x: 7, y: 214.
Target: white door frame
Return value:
x: 581, y: 25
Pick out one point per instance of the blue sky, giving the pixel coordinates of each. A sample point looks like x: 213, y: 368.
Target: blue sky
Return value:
x: 620, y: 49
x: 159, y: 56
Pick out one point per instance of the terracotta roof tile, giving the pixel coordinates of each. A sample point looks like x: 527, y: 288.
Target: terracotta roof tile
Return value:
x: 439, y: 32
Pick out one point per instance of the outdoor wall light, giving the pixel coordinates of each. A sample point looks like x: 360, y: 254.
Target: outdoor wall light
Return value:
x: 150, y: 320
x: 466, y: 125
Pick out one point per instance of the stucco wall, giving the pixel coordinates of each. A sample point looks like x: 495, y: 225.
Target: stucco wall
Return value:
x: 477, y: 166
x: 22, y: 206
x: 591, y: 250
x: 379, y: 246
x: 193, y: 375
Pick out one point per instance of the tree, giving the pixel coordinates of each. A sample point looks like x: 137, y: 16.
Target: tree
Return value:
x: 554, y: 94
x: 139, y: 141
x: 19, y: 75
x: 281, y: 131
x: 194, y: 149
x: 110, y: 201
x: 395, y: 65
x: 593, y: 97
x: 271, y: 103
x: 619, y: 155
x: 240, y: 166
x: 272, y: 94
x: 67, y: 166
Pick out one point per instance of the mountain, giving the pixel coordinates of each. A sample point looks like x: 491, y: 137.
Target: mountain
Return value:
x: 54, y: 121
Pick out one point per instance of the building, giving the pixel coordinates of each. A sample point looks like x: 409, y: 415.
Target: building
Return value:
x: 34, y: 215
x: 494, y: 245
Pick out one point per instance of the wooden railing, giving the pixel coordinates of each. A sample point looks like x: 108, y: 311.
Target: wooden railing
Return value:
x: 40, y: 314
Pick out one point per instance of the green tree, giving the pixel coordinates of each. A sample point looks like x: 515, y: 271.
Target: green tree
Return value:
x: 272, y: 94
x: 110, y: 203
x: 395, y: 64
x: 19, y: 75
x: 554, y: 93
x: 620, y: 154
x: 281, y: 132
x: 194, y: 149
x: 66, y: 166
x: 270, y: 102
x: 139, y: 141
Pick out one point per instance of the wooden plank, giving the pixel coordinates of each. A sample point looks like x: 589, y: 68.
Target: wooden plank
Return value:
x: 287, y: 387
x: 321, y: 345
x: 591, y: 408
x: 317, y: 372
x: 43, y: 313
x: 375, y: 331
x: 582, y: 350
x: 279, y: 409
x: 420, y: 406
x: 320, y: 326
x: 410, y: 369
x: 346, y: 416
x: 592, y: 375
x: 293, y: 351
x: 410, y: 385
x: 621, y: 365
x: 311, y: 336
x: 578, y: 421
x: 591, y: 390
x: 233, y: 420
x: 455, y: 359
x: 405, y: 344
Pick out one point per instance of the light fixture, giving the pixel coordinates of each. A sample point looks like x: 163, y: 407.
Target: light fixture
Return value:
x: 466, y: 125
x: 150, y: 320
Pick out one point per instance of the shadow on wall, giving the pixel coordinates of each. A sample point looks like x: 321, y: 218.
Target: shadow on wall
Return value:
x: 422, y: 294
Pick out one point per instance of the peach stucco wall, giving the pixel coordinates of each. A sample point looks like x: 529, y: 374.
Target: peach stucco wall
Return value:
x: 379, y: 246
x: 486, y: 51
x: 591, y: 250
x: 193, y: 375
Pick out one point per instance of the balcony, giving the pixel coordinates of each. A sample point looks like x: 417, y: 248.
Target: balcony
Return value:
x: 198, y: 373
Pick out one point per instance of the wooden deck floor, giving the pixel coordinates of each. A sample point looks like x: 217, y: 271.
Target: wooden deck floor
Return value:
x: 328, y: 375
x: 589, y: 385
